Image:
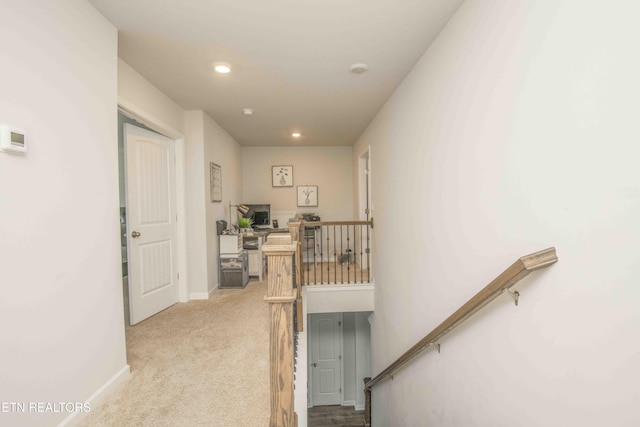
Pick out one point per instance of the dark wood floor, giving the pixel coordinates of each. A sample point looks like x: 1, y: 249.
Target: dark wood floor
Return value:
x: 343, y: 416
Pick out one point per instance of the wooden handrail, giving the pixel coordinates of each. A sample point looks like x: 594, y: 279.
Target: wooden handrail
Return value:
x: 501, y: 284
x: 314, y: 223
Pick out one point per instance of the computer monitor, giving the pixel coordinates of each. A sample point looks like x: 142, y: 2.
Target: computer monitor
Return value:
x: 259, y: 214
x: 261, y: 218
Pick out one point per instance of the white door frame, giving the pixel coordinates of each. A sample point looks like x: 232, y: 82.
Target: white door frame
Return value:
x: 364, y: 198
x: 364, y: 193
x: 181, y: 200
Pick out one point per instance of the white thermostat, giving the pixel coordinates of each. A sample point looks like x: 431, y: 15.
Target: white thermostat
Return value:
x: 12, y: 140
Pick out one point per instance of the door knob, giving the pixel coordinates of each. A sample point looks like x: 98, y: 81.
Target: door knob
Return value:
x: 314, y: 365
x: 135, y: 234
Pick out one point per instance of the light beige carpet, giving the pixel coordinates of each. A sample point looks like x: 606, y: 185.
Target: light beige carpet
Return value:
x: 201, y: 363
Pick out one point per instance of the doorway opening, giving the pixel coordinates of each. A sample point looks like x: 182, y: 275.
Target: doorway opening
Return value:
x: 339, y: 358
x: 149, y: 258
x: 365, y: 206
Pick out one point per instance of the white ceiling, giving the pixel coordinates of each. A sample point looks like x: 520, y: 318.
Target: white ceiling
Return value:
x: 290, y: 59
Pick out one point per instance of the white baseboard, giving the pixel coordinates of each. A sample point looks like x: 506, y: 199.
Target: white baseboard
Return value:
x: 97, y: 397
x: 199, y: 295
x: 359, y: 407
x: 349, y: 403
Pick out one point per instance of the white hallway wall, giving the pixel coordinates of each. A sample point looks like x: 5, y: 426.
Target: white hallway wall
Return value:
x: 516, y: 131
x: 223, y: 150
x: 61, y: 308
x: 356, y: 349
x: 155, y: 109
x: 207, y: 142
x: 327, y: 167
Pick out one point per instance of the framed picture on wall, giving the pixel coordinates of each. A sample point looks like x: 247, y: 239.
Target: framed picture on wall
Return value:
x: 282, y: 176
x: 216, y: 182
x: 307, y: 195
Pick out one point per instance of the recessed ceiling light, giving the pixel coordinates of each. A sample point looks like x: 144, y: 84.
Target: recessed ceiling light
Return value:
x: 222, y: 68
x: 247, y: 111
x: 296, y: 134
x: 358, y: 68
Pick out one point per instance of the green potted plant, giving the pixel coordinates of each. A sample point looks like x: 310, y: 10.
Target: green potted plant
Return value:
x: 245, y: 225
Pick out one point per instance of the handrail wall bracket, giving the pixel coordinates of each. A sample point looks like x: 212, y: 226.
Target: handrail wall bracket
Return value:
x: 515, y: 295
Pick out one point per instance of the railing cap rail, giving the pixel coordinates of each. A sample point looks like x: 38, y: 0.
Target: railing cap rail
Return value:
x: 314, y: 223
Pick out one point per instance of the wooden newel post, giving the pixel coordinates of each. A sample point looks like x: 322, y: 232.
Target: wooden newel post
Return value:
x: 294, y: 230
x: 279, y: 250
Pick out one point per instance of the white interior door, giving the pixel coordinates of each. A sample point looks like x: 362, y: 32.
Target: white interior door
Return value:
x: 326, y: 363
x: 151, y: 222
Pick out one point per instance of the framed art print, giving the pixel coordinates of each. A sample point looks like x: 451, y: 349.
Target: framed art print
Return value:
x: 307, y: 195
x: 282, y: 176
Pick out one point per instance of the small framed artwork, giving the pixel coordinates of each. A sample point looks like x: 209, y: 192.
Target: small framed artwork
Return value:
x: 216, y: 182
x: 307, y: 195
x: 282, y: 176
